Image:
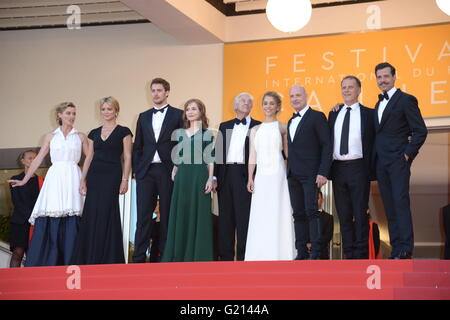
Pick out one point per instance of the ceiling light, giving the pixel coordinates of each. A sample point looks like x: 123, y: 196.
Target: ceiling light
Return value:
x: 289, y: 15
x: 444, y: 5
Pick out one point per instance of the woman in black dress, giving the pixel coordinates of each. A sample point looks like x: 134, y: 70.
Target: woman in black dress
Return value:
x: 104, y: 178
x: 23, y: 199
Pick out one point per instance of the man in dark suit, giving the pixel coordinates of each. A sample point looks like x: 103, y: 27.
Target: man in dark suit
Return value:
x: 397, y: 117
x: 153, y: 165
x: 352, y: 134
x: 232, y: 152
x: 309, y: 160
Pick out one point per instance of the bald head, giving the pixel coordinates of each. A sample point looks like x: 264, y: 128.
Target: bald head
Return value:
x: 298, y: 97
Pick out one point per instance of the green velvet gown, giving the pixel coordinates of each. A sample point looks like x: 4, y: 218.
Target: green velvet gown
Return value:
x: 190, y: 235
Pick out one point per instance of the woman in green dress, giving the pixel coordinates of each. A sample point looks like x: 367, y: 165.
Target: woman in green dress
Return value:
x: 190, y: 233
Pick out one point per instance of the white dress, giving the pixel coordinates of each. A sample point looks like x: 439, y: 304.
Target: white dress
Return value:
x: 60, y: 196
x: 271, y: 229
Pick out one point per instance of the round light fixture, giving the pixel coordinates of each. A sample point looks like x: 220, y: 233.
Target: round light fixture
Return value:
x: 444, y: 5
x: 289, y: 15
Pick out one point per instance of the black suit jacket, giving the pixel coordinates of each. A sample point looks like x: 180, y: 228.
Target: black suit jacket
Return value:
x: 145, y: 145
x: 401, y: 119
x: 222, y: 145
x: 367, y: 135
x: 310, y: 152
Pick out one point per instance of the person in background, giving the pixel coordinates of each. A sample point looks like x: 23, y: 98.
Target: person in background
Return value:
x: 155, y: 255
x: 23, y: 199
x: 326, y: 226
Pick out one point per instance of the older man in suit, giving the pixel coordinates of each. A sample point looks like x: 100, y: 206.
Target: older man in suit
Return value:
x: 232, y: 152
x: 352, y: 134
x: 309, y: 161
x: 400, y: 132
x: 153, y: 165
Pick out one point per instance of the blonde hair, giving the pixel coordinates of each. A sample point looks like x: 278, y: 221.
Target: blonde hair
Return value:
x: 112, y: 102
x: 60, y: 109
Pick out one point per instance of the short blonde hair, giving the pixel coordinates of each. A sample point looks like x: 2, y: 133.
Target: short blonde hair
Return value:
x: 112, y: 102
x: 60, y: 109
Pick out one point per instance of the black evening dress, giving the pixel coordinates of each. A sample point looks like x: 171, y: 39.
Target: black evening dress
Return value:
x: 99, y: 238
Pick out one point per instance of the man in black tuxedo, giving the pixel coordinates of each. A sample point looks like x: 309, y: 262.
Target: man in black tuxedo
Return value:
x: 309, y: 160
x: 352, y: 134
x: 397, y: 117
x: 232, y: 152
x: 153, y: 165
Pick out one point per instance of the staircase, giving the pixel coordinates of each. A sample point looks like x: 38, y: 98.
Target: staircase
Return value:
x: 276, y: 280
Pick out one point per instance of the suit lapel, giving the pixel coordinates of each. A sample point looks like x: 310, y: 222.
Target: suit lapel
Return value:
x: 333, y: 118
x: 363, y: 120
x: 302, y: 121
x: 166, y: 120
x: 387, y: 111
x: 288, y: 126
x: 227, y: 139
x: 148, y: 124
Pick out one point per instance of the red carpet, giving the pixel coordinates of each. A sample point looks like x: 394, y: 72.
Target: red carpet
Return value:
x: 281, y: 280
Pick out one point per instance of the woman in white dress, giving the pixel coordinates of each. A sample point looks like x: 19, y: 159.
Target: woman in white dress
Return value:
x: 59, y: 205
x: 271, y: 230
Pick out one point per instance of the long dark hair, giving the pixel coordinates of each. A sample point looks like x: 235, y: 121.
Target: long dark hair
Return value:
x: 201, y: 106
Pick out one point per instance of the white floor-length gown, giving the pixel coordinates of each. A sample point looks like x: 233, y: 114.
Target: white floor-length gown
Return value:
x: 271, y: 229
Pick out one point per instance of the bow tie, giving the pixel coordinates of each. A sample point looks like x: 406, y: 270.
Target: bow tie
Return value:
x: 243, y: 121
x: 158, y: 110
x: 383, y: 96
x: 295, y: 115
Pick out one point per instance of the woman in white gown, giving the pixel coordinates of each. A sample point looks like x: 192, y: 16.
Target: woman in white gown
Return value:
x: 59, y: 205
x: 271, y: 230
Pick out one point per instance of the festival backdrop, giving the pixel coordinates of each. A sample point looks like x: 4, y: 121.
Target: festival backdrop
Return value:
x: 421, y: 56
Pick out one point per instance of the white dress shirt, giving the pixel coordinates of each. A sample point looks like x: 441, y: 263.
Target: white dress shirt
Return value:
x: 157, y: 122
x: 384, y: 103
x: 295, y: 122
x: 236, y: 149
x: 354, y: 134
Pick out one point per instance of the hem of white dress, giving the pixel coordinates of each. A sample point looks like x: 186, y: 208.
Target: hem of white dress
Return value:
x: 54, y: 214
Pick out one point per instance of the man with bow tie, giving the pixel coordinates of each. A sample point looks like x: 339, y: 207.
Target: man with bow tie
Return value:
x: 232, y: 152
x: 400, y: 132
x: 309, y: 161
x: 352, y: 135
x: 152, y: 165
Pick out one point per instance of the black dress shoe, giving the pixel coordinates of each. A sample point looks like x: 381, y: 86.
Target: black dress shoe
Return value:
x: 301, y: 257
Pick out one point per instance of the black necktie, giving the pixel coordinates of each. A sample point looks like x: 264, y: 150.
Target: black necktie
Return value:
x: 345, y: 132
x: 383, y: 96
x: 159, y: 110
x: 295, y: 115
x: 243, y: 121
